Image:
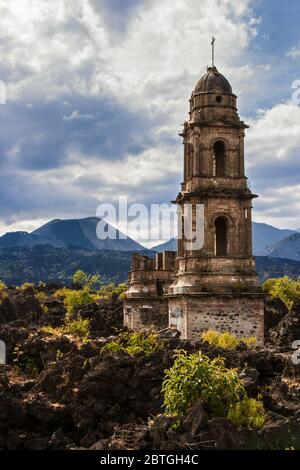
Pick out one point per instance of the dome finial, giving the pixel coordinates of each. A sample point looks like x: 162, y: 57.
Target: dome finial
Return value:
x: 213, y: 50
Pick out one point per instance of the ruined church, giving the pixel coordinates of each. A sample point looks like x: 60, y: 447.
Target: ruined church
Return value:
x: 215, y: 287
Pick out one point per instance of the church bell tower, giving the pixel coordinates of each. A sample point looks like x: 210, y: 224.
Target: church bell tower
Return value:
x: 216, y: 284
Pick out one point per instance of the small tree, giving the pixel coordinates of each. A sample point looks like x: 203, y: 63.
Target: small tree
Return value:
x: 81, y: 279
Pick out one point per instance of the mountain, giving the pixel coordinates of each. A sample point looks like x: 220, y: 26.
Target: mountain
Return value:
x: 77, y: 233
x: 264, y: 235
x: 287, y: 248
x: 171, y: 245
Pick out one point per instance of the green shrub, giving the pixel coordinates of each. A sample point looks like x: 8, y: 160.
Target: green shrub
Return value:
x: 250, y: 341
x: 110, y: 290
x: 26, y: 286
x: 3, y: 292
x: 24, y: 363
x: 226, y: 340
x: 59, y: 355
x: 81, y: 279
x: 284, y: 288
x: 3, y: 286
x: 135, y: 343
x: 195, y: 376
x: 78, y: 327
x: 74, y: 299
x: 211, y: 337
x: 58, y: 331
x: 248, y: 412
x: 41, y: 297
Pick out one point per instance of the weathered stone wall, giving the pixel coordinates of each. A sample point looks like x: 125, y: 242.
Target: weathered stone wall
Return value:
x: 148, y: 313
x: 242, y: 315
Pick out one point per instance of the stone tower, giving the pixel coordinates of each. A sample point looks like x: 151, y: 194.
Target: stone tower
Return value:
x: 216, y: 286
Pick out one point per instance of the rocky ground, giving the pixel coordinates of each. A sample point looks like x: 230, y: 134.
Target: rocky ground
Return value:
x: 69, y: 395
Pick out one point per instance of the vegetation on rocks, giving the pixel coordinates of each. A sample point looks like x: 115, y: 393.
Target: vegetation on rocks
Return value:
x: 78, y: 396
x: 284, y: 288
x: 85, y: 294
x: 195, y: 376
x: 226, y: 340
x: 24, y: 363
x: 135, y: 343
x: 78, y: 327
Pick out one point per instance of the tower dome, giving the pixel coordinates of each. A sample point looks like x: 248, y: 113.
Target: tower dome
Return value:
x: 211, y: 81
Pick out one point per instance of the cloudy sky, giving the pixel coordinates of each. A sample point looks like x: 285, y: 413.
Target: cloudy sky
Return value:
x: 97, y: 90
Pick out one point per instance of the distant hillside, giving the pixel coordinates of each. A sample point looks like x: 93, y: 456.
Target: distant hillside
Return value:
x: 287, y: 248
x: 76, y: 233
x: 49, y: 264
x: 171, y: 245
x: 276, y: 267
x: 263, y: 235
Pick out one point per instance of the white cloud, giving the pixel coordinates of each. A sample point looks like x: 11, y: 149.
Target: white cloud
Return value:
x: 294, y: 52
x: 273, y: 158
x: 275, y: 135
x: 77, y: 116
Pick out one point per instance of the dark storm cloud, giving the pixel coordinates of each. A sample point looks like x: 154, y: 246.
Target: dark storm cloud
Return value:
x: 41, y: 136
x: 278, y: 174
x: 116, y: 13
x: 26, y: 196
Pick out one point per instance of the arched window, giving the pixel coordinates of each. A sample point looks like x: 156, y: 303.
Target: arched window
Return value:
x: 160, y: 288
x: 219, y: 158
x: 221, y: 236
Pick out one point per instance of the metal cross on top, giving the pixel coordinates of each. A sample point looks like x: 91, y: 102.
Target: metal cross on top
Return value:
x: 213, y: 50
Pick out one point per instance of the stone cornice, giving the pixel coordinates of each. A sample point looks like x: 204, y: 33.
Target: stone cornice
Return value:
x: 226, y: 122
x: 217, y: 192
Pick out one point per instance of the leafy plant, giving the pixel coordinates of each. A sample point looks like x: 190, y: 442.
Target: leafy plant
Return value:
x: 3, y: 292
x: 112, y: 290
x: 41, y: 297
x: 78, y: 327
x: 211, y: 337
x: 284, y: 288
x: 3, y: 286
x: 59, y: 355
x: 135, y: 343
x: 195, y: 376
x: 248, y: 412
x: 23, y: 362
x: 226, y: 340
x: 250, y: 341
x: 58, y: 331
x: 26, y: 286
x: 74, y: 299
x: 81, y: 279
